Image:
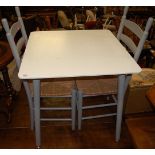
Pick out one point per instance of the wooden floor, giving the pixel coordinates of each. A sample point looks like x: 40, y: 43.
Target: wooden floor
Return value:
x: 142, y: 130
x: 99, y: 133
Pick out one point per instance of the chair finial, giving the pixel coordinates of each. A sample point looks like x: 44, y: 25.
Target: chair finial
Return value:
x: 5, y: 25
x: 17, y: 11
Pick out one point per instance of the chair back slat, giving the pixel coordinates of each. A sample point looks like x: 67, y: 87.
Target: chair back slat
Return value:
x: 20, y: 44
x: 14, y: 49
x: 15, y: 28
x: 128, y: 40
x: 133, y: 27
x: 144, y: 37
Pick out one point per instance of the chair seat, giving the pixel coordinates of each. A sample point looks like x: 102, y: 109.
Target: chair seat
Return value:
x: 108, y: 85
x: 145, y: 78
x: 97, y: 86
x: 89, y: 87
x: 55, y: 88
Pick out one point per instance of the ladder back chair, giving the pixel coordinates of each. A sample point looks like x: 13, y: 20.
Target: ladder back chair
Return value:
x: 135, y: 47
x: 108, y: 86
x: 63, y: 88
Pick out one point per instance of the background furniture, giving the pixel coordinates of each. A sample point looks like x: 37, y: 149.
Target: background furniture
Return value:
x: 65, y: 22
x: 3, y: 95
x: 136, y: 101
x: 5, y: 58
x: 151, y: 95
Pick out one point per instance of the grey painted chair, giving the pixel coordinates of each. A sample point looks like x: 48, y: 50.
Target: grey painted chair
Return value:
x: 53, y: 88
x: 108, y: 86
x: 134, y: 47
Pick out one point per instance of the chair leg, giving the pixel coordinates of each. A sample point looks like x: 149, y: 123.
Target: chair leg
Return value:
x: 31, y: 106
x: 80, y: 97
x: 73, y: 108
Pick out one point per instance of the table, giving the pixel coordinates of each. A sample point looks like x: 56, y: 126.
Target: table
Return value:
x: 60, y: 54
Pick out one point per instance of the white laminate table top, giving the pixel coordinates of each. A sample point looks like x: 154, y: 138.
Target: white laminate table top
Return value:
x: 75, y: 53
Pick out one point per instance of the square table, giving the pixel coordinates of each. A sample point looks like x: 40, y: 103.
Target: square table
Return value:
x: 76, y: 53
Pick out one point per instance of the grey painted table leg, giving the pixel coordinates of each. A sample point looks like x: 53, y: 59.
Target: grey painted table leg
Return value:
x: 128, y: 78
x: 73, y: 109
x: 121, y: 87
x: 36, y: 84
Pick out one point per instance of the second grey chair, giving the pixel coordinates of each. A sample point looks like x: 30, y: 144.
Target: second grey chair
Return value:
x: 133, y: 46
x: 108, y: 86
